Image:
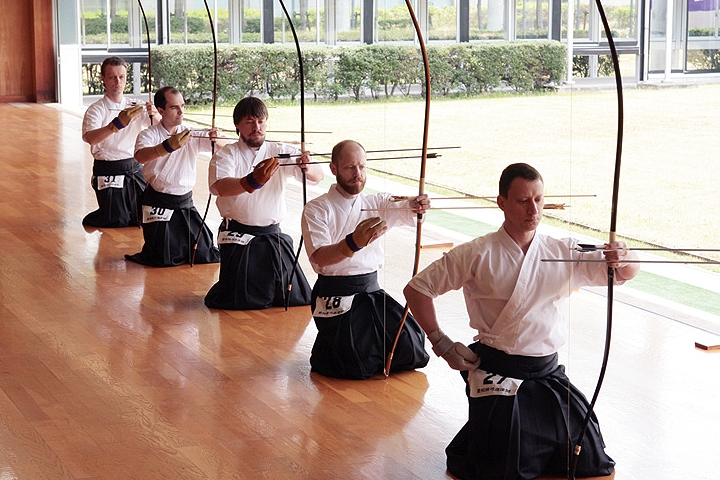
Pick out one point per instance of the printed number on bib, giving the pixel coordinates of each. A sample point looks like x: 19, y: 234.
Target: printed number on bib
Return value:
x: 156, y: 214
x: 113, y: 181
x: 332, y: 306
x: 484, y: 384
x: 234, y: 237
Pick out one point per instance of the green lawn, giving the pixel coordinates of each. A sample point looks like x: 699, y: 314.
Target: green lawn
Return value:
x: 669, y: 177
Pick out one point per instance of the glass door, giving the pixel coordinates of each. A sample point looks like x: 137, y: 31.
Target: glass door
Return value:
x: 703, y: 43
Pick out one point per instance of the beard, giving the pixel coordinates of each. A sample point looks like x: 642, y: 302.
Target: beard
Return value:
x: 254, y: 141
x: 352, y: 189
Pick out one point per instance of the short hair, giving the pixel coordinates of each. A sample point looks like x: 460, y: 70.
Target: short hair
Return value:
x: 340, y: 147
x: 249, y: 107
x: 112, y: 61
x: 511, y: 172
x: 160, y: 100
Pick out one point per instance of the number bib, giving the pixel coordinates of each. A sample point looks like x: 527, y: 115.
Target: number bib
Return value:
x: 156, y: 214
x: 114, y: 181
x: 332, y: 306
x: 234, y: 237
x: 485, y: 384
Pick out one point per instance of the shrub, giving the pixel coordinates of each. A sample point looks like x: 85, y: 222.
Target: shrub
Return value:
x: 381, y: 69
x: 394, y: 67
x: 581, y: 66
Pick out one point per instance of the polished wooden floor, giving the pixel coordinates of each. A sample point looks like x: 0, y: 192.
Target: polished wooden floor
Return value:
x: 110, y: 370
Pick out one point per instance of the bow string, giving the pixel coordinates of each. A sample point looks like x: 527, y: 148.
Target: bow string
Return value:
x: 613, y: 228
x: 301, y: 74
x: 147, y: 33
x: 421, y: 184
x: 215, y: 68
x: 212, y: 124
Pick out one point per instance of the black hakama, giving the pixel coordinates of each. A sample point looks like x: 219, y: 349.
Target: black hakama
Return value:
x: 118, y: 207
x: 170, y: 243
x: 254, y: 273
x: 524, y: 436
x: 355, y: 344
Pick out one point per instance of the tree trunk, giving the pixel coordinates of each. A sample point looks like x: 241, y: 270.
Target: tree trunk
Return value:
x: 180, y: 6
x: 304, y: 20
x: 479, y: 15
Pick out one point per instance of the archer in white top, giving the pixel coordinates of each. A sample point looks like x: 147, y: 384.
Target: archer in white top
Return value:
x: 518, y: 394
x: 111, y: 126
x: 352, y: 313
x: 257, y: 259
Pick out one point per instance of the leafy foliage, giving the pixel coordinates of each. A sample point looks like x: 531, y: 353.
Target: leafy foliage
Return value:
x: 376, y: 70
x: 581, y: 66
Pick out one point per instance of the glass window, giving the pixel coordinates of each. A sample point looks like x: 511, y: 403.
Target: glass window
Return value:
x: 581, y: 19
x: 622, y: 18
x: 487, y: 19
x: 442, y: 20
x: 182, y: 29
x: 348, y: 20
x: 393, y: 22
x: 703, y: 42
x: 189, y: 21
x: 304, y: 20
x: 94, y: 22
x: 658, y: 36
x: 315, y: 20
x: 115, y: 23
x: 104, y: 22
x: 68, y: 17
x: 532, y: 19
x: 119, y: 25
x: 249, y: 19
x: 150, y: 8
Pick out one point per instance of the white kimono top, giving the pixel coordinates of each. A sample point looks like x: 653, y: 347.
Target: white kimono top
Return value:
x: 329, y: 218
x: 517, y: 303
x: 121, y: 144
x: 265, y: 206
x: 175, y: 173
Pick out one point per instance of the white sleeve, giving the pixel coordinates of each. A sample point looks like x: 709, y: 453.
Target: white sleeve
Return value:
x: 94, y: 118
x: 144, y: 140
x: 450, y: 272
x: 315, y: 227
x: 222, y: 165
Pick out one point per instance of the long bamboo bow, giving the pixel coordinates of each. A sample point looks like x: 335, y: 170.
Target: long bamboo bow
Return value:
x: 613, y: 228
x: 147, y: 33
x: 421, y: 185
x: 212, y: 125
x: 302, y: 144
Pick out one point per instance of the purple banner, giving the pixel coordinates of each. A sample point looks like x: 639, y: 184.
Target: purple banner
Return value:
x: 701, y: 5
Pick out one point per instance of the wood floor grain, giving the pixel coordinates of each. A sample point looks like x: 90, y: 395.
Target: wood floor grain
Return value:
x: 112, y: 370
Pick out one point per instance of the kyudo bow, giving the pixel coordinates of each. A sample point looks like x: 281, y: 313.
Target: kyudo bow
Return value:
x: 302, y: 144
x: 147, y: 33
x: 421, y: 185
x: 613, y: 228
x: 212, y: 125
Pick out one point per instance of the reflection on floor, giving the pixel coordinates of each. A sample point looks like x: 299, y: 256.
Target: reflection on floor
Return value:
x: 112, y: 370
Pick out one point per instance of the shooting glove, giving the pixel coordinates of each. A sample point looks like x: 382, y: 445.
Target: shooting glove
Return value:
x: 260, y: 175
x: 173, y: 143
x: 363, y: 234
x: 124, y: 117
x: 457, y: 355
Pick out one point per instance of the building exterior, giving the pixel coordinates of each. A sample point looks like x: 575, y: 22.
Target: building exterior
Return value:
x: 86, y: 31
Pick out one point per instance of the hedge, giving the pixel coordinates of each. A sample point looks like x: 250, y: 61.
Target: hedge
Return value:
x: 376, y: 70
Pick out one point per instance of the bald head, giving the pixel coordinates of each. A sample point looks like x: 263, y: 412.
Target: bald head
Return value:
x: 348, y: 166
x: 346, y: 147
